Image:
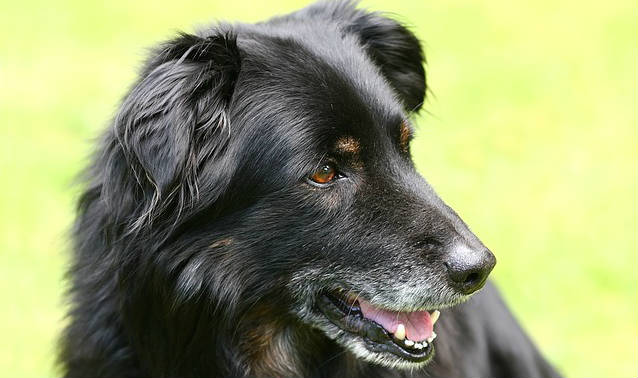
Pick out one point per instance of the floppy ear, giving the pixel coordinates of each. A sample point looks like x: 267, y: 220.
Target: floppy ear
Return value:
x: 398, y: 54
x: 175, y: 117
x: 391, y: 46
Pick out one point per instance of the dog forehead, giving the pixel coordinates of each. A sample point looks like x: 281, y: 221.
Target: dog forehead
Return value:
x: 316, y: 60
x: 320, y: 83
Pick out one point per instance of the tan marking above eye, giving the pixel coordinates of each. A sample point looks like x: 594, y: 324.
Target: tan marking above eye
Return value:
x: 348, y: 145
x: 405, y: 133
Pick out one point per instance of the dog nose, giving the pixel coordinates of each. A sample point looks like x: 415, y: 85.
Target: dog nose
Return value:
x: 468, y: 268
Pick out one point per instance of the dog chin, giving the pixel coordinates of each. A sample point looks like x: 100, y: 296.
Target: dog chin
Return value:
x: 358, y: 347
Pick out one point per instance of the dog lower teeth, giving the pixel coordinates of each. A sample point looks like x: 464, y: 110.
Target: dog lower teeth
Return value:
x: 415, y: 345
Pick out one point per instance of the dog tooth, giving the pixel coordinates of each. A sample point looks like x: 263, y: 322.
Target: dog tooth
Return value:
x: 425, y: 344
x: 435, y: 316
x: 400, y: 332
x: 408, y: 342
x: 418, y: 345
x: 431, y: 338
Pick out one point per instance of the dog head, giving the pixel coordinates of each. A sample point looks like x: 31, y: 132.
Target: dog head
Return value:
x: 269, y: 166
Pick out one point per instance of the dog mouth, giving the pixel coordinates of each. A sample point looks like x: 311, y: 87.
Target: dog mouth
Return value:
x: 408, y: 335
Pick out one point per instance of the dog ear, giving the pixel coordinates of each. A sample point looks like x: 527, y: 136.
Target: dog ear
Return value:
x: 398, y: 54
x: 391, y: 46
x: 175, y: 117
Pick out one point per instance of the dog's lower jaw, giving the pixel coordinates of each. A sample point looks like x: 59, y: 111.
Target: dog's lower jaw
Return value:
x: 359, y: 351
x: 385, y: 359
x: 347, y: 351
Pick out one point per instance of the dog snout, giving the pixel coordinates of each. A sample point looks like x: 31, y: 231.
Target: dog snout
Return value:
x: 468, y: 268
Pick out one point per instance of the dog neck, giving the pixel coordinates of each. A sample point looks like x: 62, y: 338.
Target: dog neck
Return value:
x: 276, y: 347
x: 271, y: 350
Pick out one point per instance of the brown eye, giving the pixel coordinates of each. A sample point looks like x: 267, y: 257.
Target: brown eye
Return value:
x: 324, y: 174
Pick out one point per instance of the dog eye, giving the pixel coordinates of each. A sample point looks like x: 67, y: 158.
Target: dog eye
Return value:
x: 324, y: 175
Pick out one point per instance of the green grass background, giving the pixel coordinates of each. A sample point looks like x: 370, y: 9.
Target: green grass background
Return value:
x: 530, y: 134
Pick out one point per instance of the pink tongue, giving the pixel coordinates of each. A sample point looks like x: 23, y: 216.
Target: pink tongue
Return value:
x: 418, y: 325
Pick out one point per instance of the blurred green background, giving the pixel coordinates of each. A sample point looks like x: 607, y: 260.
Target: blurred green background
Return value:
x: 530, y: 133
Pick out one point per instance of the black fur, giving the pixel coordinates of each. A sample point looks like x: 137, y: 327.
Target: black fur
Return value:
x: 201, y: 246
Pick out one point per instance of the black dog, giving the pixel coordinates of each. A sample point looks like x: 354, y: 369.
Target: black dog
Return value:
x: 254, y: 211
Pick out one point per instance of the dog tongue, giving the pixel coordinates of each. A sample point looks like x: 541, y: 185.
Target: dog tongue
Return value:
x: 418, y: 325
